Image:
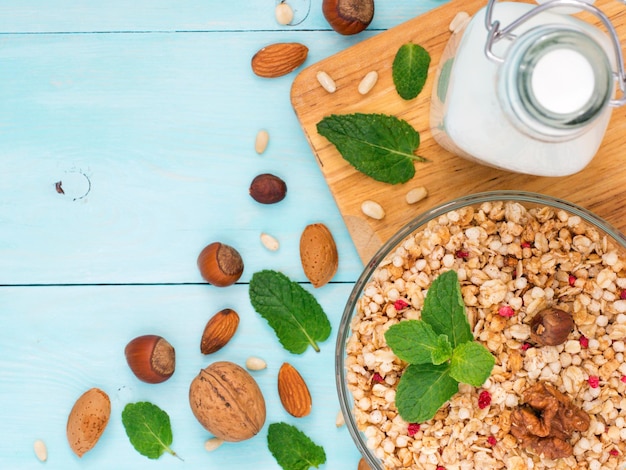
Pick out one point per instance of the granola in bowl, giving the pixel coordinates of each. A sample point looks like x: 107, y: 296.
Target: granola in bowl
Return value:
x: 544, y: 406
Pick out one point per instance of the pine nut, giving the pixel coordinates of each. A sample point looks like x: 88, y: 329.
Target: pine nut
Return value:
x: 213, y: 443
x: 416, y: 195
x: 459, y: 21
x: 40, y: 450
x: 372, y: 209
x: 368, y: 82
x: 255, y: 363
x: 261, y: 141
x: 269, y: 242
x: 327, y: 83
x: 340, y: 420
x: 284, y: 13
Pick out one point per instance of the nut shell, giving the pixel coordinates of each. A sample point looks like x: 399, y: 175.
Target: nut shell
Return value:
x: 551, y: 327
x: 151, y: 358
x: 87, y: 420
x: 268, y: 189
x: 220, y: 265
x: 227, y: 402
x: 276, y: 60
x: 348, y: 17
x: 219, y: 330
x: 318, y: 254
x: 293, y: 391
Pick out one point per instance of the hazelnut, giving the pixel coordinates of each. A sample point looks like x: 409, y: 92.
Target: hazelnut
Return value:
x: 551, y: 327
x: 220, y: 264
x: 268, y: 189
x: 348, y: 16
x: 151, y: 358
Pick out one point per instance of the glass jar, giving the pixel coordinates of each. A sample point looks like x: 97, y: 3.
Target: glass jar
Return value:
x: 534, y: 97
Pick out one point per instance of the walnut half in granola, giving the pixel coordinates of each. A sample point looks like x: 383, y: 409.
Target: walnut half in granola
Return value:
x: 512, y: 262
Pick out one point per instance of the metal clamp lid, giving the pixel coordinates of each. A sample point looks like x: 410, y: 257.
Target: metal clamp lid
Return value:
x: 495, y: 33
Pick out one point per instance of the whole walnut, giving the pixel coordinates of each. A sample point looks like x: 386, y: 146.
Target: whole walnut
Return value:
x: 227, y: 402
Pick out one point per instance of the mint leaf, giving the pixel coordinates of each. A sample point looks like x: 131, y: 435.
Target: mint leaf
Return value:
x: 410, y: 69
x: 440, y: 350
x: 415, y: 342
x: 443, y: 351
x: 444, y: 309
x: 148, y: 428
x: 422, y: 390
x: 378, y: 145
x: 292, y: 449
x: 471, y: 363
x: 293, y: 313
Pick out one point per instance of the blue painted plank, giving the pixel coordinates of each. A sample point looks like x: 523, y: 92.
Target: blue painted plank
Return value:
x: 173, y: 15
x: 163, y: 127
x: 65, y: 340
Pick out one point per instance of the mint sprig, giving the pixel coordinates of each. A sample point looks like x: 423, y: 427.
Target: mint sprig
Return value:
x: 148, y: 429
x: 292, y: 449
x: 410, y: 70
x: 444, y: 309
x: 440, y: 350
x: 379, y: 145
x: 423, y: 389
x: 293, y: 312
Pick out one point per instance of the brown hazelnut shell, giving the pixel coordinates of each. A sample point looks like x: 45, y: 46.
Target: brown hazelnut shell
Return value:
x: 348, y: 17
x: 268, y: 189
x: 551, y: 327
x: 151, y: 358
x: 220, y: 265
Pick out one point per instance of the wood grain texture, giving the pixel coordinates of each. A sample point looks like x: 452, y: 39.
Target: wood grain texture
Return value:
x: 65, y: 340
x: 181, y: 15
x: 163, y: 126
x: 146, y: 112
x: 599, y: 187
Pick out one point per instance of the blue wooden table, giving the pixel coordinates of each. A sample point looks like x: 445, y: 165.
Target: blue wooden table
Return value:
x: 146, y: 112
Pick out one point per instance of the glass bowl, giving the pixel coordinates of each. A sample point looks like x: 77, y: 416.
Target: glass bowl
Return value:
x: 604, y: 233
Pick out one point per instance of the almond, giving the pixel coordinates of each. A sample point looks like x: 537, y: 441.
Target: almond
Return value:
x: 293, y: 391
x: 219, y: 330
x: 87, y: 420
x: 279, y: 59
x: 318, y: 254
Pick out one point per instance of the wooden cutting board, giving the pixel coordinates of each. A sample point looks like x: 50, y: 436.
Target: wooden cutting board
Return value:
x: 600, y: 187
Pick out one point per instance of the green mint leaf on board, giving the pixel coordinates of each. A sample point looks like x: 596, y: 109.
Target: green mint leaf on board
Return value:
x: 293, y: 313
x: 415, y: 342
x: 378, y: 145
x: 148, y: 428
x: 410, y: 70
x: 471, y: 363
x: 422, y: 390
x: 444, y: 309
x: 292, y: 449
